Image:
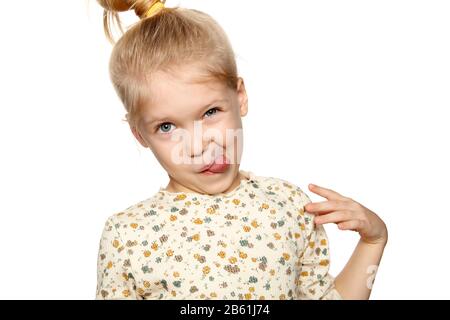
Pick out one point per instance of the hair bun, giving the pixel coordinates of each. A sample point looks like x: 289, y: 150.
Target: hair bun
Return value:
x: 113, y: 7
x: 116, y: 5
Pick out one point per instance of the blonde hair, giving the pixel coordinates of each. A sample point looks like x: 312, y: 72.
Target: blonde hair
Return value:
x: 172, y: 37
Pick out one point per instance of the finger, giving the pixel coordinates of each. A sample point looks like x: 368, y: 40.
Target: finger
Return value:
x: 354, y: 225
x: 324, y: 192
x: 327, y: 206
x: 334, y: 217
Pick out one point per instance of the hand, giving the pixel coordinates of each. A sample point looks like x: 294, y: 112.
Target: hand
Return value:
x: 348, y: 215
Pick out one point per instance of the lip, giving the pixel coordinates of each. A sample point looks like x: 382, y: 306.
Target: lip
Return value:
x: 204, y: 169
x: 207, y: 166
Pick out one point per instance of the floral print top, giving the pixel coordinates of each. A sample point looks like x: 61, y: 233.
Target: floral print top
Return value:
x: 255, y: 242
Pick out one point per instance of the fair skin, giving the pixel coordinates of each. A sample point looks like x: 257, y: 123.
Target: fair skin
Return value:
x: 179, y: 106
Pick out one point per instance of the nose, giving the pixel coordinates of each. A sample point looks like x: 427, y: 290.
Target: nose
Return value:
x: 199, y: 143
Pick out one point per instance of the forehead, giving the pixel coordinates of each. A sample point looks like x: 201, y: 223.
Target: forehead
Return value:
x: 177, y: 94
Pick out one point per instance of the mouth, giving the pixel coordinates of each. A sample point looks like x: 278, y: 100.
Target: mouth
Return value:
x: 219, y: 165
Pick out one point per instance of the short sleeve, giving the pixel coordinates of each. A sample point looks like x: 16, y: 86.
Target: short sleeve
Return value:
x: 315, y: 282
x: 115, y: 279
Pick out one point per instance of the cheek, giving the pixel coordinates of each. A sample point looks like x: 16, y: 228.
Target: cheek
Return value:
x: 229, y: 121
x: 226, y: 133
x: 163, y: 151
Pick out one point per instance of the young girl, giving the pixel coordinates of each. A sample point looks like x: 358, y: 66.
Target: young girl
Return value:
x: 215, y: 231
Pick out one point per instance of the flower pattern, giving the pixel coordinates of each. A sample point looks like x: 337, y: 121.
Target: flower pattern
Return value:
x: 255, y: 242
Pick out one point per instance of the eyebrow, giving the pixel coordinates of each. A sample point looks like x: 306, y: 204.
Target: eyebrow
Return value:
x: 150, y: 122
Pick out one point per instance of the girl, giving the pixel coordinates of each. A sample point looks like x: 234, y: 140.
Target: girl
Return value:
x: 215, y: 231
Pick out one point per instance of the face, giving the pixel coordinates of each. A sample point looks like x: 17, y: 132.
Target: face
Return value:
x: 189, y: 126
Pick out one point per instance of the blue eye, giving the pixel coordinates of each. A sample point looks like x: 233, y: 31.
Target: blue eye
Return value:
x: 212, y: 109
x: 165, y: 126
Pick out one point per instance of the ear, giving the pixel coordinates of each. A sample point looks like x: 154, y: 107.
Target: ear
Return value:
x: 242, y: 97
x: 138, y: 136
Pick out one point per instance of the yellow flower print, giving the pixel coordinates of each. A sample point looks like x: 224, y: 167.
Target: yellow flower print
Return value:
x: 312, y: 244
x: 272, y: 272
x: 147, y: 253
x: 155, y: 246
x: 173, y: 293
x: 126, y: 293
x: 254, y: 224
x: 180, y: 197
x: 210, y: 210
x: 196, y: 237
x: 173, y: 217
x: 213, y: 294
x: 247, y: 228
x: 221, y: 254
x: 169, y: 253
x: 188, y: 203
x: 277, y: 236
x: 141, y: 291
x: 115, y: 243
x: 206, y: 269
x: 251, y: 289
x: 248, y: 296
x: 265, y: 206
x: 110, y: 264
x: 198, y: 221
x: 134, y: 225
x: 304, y: 273
x: 297, y: 235
x: 146, y: 284
x: 176, y: 274
x: 323, y: 242
x: 302, y: 226
x: 282, y: 296
x: 236, y: 201
x: 242, y: 255
x: 324, y: 262
x: 232, y: 260
x: 286, y: 256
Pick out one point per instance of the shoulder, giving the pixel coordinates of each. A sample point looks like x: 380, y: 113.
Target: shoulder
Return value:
x: 133, y: 214
x: 283, y: 189
x: 290, y: 196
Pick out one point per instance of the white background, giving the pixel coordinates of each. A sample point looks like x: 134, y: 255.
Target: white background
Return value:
x: 350, y: 95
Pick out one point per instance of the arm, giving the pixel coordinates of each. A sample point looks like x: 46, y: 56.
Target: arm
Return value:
x: 115, y: 280
x: 354, y: 280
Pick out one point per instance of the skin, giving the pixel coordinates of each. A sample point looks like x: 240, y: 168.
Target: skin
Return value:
x: 181, y: 103
x: 355, y: 280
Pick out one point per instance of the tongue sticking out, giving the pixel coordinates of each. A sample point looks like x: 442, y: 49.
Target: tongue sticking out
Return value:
x: 220, y: 165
